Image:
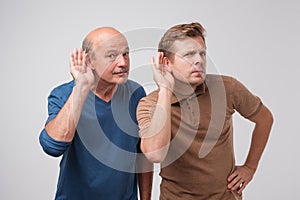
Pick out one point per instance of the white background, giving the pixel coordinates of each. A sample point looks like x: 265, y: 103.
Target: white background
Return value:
x: 255, y: 41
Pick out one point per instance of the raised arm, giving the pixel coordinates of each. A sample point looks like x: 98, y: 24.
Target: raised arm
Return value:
x: 239, y: 179
x: 63, y: 126
x: 156, y: 138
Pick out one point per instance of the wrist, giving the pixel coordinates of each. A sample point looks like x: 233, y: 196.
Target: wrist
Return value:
x: 83, y: 83
x: 251, y: 168
x: 165, y: 91
x: 81, y: 87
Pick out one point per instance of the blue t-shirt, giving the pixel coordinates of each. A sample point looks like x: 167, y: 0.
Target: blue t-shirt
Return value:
x: 99, y: 163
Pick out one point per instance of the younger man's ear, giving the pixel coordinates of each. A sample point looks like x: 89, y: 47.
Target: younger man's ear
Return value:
x: 166, y: 61
x: 166, y: 64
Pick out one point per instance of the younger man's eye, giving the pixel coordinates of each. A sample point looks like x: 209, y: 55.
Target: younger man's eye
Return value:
x: 190, y: 53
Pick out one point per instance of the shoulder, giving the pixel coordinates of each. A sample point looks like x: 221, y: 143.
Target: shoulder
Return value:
x: 57, y: 98
x: 131, y: 88
x: 213, y: 78
x: 61, y: 93
x: 132, y: 83
x: 150, y: 99
x: 63, y: 89
x: 228, y: 82
x: 146, y: 106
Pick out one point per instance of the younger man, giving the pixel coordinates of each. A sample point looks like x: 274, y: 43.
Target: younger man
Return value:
x: 186, y: 125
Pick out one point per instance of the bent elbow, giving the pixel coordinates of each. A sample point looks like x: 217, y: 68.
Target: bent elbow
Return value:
x: 270, y: 117
x: 155, y: 156
x: 50, y: 146
x: 52, y: 152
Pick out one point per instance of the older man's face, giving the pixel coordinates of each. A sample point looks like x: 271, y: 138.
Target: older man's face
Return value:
x: 111, y: 59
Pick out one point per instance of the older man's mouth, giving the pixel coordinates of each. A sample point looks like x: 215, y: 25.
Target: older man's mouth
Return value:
x: 122, y: 71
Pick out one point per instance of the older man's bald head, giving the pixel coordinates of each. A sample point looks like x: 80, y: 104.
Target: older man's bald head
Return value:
x: 98, y: 36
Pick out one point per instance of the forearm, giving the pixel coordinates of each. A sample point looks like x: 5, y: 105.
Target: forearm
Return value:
x: 260, y: 138
x: 145, y: 185
x: 145, y: 177
x: 242, y: 175
x: 63, y: 126
x: 156, y: 139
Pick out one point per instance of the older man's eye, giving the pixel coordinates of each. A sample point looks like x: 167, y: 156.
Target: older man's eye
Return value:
x: 203, y: 53
x: 126, y: 53
x: 112, y: 56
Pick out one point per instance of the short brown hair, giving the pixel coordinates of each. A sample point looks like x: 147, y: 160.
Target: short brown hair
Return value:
x: 179, y: 32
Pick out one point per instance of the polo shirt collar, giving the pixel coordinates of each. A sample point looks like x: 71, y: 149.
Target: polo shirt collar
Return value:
x: 176, y: 97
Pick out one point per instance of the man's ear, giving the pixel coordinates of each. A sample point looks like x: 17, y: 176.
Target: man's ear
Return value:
x: 88, y: 62
x: 167, y: 64
x: 165, y: 61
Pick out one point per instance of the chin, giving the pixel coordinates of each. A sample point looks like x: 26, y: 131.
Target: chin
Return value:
x: 197, y: 82
x: 122, y: 80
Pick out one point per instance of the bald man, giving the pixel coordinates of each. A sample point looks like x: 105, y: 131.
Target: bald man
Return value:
x: 92, y: 124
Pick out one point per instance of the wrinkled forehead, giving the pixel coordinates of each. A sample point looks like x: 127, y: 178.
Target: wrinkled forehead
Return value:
x: 189, y: 43
x: 117, y: 41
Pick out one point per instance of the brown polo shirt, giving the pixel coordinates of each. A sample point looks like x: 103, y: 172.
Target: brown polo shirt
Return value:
x: 201, y: 155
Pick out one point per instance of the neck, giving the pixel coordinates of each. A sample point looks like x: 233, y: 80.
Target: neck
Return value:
x: 105, y: 90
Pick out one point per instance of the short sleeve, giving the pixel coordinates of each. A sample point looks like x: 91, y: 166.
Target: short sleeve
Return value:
x: 138, y: 94
x: 145, y: 111
x: 244, y: 102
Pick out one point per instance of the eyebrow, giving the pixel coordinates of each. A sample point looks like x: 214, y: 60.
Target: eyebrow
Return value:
x: 188, y: 50
x: 114, y: 50
x: 111, y: 51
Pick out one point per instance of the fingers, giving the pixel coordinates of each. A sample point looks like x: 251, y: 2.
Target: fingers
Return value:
x: 153, y: 64
x: 72, y: 59
x: 241, y: 187
x: 159, y: 63
x: 232, y: 176
x: 162, y: 74
x: 236, y: 184
x: 239, y: 179
x: 84, y: 56
x: 155, y: 68
x: 233, y: 179
x: 78, y: 59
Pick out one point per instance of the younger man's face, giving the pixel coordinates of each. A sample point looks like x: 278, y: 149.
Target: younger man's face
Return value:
x: 189, y: 60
